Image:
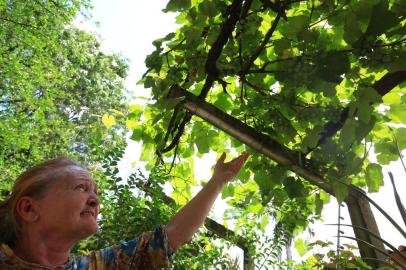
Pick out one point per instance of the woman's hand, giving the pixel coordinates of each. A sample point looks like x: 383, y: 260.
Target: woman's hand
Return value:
x: 225, y: 171
x: 185, y: 223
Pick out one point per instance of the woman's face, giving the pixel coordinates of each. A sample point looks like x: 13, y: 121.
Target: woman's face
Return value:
x: 70, y: 206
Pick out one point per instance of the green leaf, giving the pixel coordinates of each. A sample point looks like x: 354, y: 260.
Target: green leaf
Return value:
x: 392, y: 98
x: 348, y: 133
x: 169, y: 103
x: 293, y: 187
x: 244, y: 175
x: 135, y: 112
x: 227, y: 191
x: 188, y: 152
x: 374, y: 177
x: 340, y: 190
x: 382, y: 19
x: 352, y: 29
x: 108, y: 120
x: 364, y: 110
x: 364, y: 129
x: 137, y: 134
x: 177, y: 5
x: 264, y: 222
x: 301, y: 246
x: 208, y: 8
x: 324, y: 196
x: 149, y: 82
x: 147, y: 152
x: 401, y: 138
x: 328, y: 88
x: 397, y: 113
x: 223, y: 102
x: 310, y: 141
x: 255, y: 208
x: 294, y: 26
x: 309, y: 36
x: 202, y: 142
x: 318, y: 204
x: 386, y: 152
x: 193, y: 35
x: 332, y: 65
x: 154, y: 61
x: 277, y: 175
x: 281, y: 45
x: 263, y: 181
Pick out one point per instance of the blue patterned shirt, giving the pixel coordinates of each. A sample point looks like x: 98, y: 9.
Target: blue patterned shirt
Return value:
x: 150, y: 251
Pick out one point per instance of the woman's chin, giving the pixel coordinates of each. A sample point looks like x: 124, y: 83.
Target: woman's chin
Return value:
x: 90, y: 228
x: 94, y: 228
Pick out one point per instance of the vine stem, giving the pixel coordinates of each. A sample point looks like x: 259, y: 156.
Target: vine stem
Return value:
x: 400, y: 155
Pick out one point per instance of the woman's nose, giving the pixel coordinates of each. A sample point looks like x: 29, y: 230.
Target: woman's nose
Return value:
x: 93, y: 200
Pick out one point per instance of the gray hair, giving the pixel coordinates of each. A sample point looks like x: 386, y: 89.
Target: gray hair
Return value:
x: 33, y: 182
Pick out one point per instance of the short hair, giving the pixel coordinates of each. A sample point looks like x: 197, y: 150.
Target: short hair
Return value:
x: 33, y: 182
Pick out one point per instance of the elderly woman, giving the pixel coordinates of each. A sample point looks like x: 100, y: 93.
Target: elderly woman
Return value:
x: 54, y: 204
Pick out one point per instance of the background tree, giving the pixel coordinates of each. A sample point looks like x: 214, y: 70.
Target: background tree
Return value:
x: 55, y: 86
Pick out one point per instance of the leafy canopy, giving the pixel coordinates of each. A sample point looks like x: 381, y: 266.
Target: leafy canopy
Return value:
x: 324, y: 79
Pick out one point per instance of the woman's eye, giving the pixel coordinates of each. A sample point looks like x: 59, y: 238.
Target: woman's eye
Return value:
x: 81, y: 187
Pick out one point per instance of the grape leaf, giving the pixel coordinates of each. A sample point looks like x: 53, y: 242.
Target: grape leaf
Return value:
x: 374, y: 177
x: 177, y: 5
x: 332, y: 65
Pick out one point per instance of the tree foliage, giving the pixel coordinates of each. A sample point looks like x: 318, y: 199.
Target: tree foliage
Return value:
x: 55, y: 86
x: 324, y: 79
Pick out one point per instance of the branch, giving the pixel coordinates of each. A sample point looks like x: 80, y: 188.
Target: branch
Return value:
x: 389, y: 81
x: 261, y: 71
x: 256, y: 88
x: 245, y: 9
x: 277, y: 7
x: 382, y: 86
x: 392, y: 43
x: 171, y: 124
x: 212, y: 57
x: 217, y: 47
x: 265, y: 41
x: 179, y: 134
x: 12, y: 100
x: 18, y: 23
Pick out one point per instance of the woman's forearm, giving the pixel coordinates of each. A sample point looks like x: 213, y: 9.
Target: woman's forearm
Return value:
x: 187, y: 221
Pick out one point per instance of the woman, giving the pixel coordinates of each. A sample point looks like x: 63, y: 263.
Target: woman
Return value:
x: 54, y: 204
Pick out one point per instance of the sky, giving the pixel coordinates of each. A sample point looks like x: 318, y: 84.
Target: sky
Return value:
x: 128, y: 27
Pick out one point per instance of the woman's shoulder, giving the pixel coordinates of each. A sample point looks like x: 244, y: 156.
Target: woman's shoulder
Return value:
x: 10, y: 261
x: 6, y: 257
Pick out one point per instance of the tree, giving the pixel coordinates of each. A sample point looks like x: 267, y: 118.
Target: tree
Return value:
x: 57, y: 88
x: 312, y: 84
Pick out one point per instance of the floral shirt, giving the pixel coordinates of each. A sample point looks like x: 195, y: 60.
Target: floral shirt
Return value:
x: 150, y: 251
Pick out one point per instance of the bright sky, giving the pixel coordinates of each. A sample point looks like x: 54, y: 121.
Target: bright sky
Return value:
x: 128, y: 27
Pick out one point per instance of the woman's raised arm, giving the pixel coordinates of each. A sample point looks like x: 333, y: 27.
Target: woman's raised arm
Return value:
x: 187, y: 221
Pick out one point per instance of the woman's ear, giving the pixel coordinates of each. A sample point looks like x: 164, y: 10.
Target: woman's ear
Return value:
x: 27, y: 209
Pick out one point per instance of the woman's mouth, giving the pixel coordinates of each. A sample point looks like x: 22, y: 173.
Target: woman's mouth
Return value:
x: 88, y: 212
